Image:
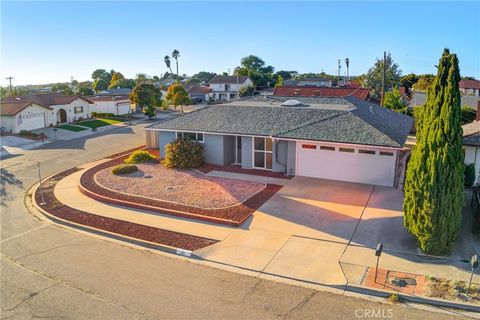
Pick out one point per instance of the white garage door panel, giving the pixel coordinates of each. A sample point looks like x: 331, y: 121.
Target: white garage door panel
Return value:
x: 345, y: 166
x: 31, y: 121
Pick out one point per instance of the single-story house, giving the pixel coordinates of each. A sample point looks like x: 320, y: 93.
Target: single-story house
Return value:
x: 200, y: 92
x: 116, y: 104
x: 345, y: 139
x: 470, y: 87
x: 22, y: 115
x: 56, y: 109
x: 309, y: 91
x: 471, y: 145
x: 420, y: 98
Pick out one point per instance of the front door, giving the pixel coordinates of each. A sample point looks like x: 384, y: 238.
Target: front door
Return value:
x: 238, y: 149
x: 262, y: 153
x: 61, y: 116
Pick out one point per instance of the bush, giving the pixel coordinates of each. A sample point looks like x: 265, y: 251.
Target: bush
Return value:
x: 469, y: 176
x: 140, y: 156
x: 183, y: 154
x: 468, y: 114
x: 102, y: 115
x: 124, y: 169
x: 27, y: 133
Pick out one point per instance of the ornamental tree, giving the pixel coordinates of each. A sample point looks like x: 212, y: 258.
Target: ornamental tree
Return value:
x: 146, y: 97
x: 177, y: 95
x: 434, y: 181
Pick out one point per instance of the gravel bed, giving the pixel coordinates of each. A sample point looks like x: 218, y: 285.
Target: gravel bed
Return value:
x: 237, y: 213
x: 147, y: 233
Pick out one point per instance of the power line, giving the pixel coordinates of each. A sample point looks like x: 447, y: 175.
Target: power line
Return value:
x: 10, y: 81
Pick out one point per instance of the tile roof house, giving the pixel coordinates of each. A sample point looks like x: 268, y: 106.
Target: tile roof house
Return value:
x: 116, y: 104
x: 227, y: 88
x: 342, y: 138
x: 200, y: 92
x: 295, y: 91
x: 36, y: 111
x: 470, y: 87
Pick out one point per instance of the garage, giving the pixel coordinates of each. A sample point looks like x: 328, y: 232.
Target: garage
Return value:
x: 346, y: 163
x: 31, y: 121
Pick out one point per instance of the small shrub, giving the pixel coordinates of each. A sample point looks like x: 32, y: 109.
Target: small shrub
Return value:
x: 393, y: 298
x: 93, y: 114
x: 183, y: 154
x: 140, y: 156
x: 27, y: 133
x: 469, y: 176
x: 124, y: 169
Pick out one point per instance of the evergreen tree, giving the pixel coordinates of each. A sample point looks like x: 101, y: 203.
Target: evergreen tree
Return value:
x: 434, y: 181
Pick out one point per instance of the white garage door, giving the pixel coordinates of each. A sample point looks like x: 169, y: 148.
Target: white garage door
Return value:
x: 362, y: 165
x: 31, y: 121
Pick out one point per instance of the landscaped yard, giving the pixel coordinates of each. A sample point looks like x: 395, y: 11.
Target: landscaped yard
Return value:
x: 186, y: 187
x: 96, y: 123
x: 71, y: 128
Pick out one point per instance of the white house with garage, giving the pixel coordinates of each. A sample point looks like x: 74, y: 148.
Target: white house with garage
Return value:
x: 110, y: 103
x: 342, y: 138
x: 42, y: 110
x: 227, y: 88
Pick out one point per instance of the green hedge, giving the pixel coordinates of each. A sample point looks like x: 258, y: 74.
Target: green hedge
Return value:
x: 102, y: 115
x: 183, y: 154
x: 124, y: 169
x: 469, y: 175
x: 140, y: 157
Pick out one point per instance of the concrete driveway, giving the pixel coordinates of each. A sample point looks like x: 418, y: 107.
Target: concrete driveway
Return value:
x: 11, y: 145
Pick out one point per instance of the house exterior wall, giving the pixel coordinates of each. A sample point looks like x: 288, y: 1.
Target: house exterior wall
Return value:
x: 115, y: 107
x: 472, y: 155
x: 8, y: 123
x: 291, y: 158
x: 219, y: 88
x: 475, y: 92
x: 315, y: 83
x: 203, y: 96
x: 164, y: 138
x: 247, y: 143
x: 213, y: 151
x: 33, y: 117
x: 228, y: 149
x: 70, y: 110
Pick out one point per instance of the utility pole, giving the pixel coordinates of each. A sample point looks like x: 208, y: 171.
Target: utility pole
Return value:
x: 339, y: 67
x: 383, y: 76
x: 10, y: 81
x: 347, y: 62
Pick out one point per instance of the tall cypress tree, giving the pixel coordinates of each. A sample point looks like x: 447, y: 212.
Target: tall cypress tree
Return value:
x: 434, y: 180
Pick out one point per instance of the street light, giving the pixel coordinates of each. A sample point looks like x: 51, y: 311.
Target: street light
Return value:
x: 378, y: 253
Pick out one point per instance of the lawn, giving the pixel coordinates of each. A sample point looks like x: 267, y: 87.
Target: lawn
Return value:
x: 71, y: 128
x: 96, y: 123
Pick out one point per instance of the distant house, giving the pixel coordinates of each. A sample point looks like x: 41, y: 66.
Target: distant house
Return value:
x: 471, y: 144
x: 470, y: 87
x: 116, y: 104
x: 227, y: 88
x: 285, y: 91
x: 117, y: 91
x: 42, y: 110
x: 419, y: 98
x: 315, y: 82
x: 200, y: 92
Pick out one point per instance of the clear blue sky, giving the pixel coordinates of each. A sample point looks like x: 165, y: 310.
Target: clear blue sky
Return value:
x: 51, y: 41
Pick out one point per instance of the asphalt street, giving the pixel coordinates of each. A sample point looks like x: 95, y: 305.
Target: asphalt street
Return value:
x: 51, y: 272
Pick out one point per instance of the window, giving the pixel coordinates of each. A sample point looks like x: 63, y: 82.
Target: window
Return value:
x: 327, y: 148
x: 389, y: 154
x: 227, y: 87
x: 195, y: 136
x: 262, y: 153
x: 366, y: 151
x: 346, y: 150
x: 309, y: 146
x: 78, y: 109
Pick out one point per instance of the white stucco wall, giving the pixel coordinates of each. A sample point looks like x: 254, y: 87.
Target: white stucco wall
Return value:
x: 33, y: 117
x: 70, y: 110
x: 472, y: 155
x: 116, y: 107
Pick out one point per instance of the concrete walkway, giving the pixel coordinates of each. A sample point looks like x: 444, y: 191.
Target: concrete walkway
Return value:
x: 248, y: 177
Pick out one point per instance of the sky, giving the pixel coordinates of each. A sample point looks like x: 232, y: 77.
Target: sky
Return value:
x: 44, y: 42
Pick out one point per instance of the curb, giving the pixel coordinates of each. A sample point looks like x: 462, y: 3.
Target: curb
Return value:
x: 104, y: 233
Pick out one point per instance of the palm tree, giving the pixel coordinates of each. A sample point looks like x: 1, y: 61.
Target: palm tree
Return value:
x: 175, y: 55
x: 167, y: 62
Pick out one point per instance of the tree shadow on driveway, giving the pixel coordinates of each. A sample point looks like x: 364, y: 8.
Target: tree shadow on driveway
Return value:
x: 7, y: 178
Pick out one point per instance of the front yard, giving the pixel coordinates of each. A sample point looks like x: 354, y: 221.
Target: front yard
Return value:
x: 71, y: 127
x: 101, y: 122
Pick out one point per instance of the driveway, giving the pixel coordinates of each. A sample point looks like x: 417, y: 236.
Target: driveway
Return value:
x: 16, y: 145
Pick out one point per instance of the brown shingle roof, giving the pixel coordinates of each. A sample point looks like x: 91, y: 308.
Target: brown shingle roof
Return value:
x: 199, y: 89
x: 471, y: 133
x: 361, y: 93
x: 469, y: 84
x: 228, y: 79
x: 47, y: 99
x: 11, y: 108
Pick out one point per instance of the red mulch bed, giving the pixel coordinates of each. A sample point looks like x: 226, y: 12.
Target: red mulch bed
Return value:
x: 155, y: 235
x: 236, y: 214
x: 206, y: 168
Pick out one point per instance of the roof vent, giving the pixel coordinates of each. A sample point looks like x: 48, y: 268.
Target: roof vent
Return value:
x: 292, y: 103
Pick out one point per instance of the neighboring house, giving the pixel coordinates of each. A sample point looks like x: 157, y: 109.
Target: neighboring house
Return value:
x: 117, y: 91
x: 315, y: 82
x: 200, y: 92
x: 227, y: 88
x: 285, y: 91
x: 419, y: 99
x: 471, y: 145
x: 63, y: 109
x: 345, y: 139
x: 22, y: 115
x: 116, y: 104
x: 470, y: 87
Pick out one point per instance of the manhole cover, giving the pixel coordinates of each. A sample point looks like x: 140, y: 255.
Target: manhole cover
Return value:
x: 403, y: 282
x: 169, y: 188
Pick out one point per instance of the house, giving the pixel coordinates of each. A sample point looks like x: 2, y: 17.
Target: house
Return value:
x: 343, y: 138
x: 115, y: 91
x: 116, y: 104
x: 469, y: 87
x: 54, y: 108
x: 200, y: 92
x: 227, y: 88
x: 420, y: 98
x: 471, y: 143
x: 315, y: 82
x: 297, y: 91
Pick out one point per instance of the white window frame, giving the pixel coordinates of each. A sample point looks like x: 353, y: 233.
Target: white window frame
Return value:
x: 265, y: 154
x: 75, y: 109
x: 179, y: 134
